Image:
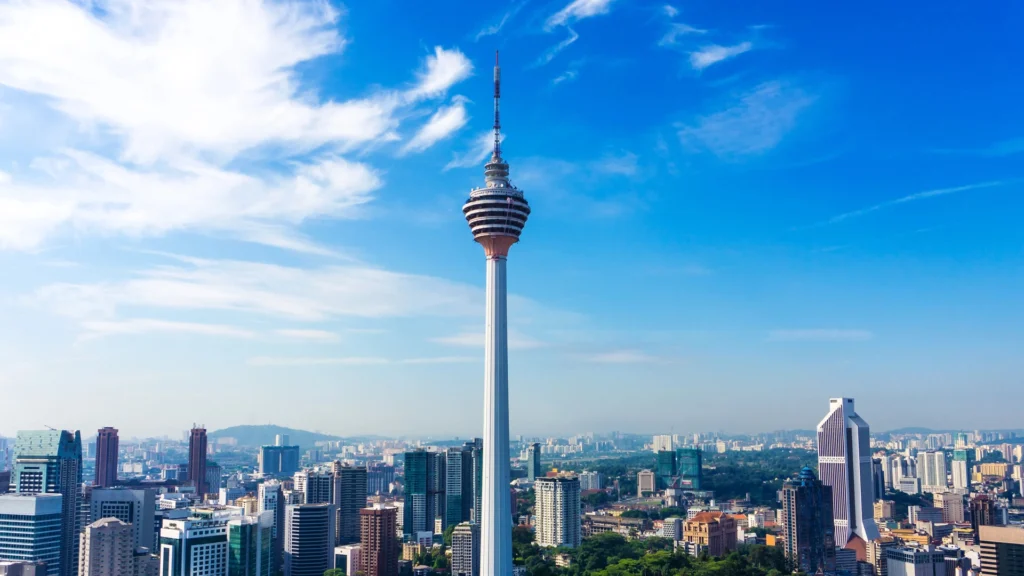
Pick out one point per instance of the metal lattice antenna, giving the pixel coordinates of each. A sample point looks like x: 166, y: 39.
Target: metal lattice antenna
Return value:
x: 497, y: 111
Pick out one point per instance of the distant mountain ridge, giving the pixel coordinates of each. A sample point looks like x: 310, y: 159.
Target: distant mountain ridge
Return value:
x: 264, y: 434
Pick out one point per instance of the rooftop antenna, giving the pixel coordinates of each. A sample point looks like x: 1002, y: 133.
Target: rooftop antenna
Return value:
x: 497, y: 111
x: 50, y: 427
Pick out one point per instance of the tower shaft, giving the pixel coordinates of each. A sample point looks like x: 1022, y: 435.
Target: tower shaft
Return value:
x: 496, y: 519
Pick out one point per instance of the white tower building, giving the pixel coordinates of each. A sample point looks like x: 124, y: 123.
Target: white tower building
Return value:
x: 844, y: 463
x: 496, y: 214
x: 558, y: 511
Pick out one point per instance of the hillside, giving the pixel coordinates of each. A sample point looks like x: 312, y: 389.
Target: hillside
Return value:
x: 264, y: 434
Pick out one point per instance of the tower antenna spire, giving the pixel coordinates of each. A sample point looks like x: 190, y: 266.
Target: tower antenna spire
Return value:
x: 497, y: 109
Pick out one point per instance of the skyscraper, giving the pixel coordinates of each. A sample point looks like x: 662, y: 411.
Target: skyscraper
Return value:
x: 279, y: 460
x: 466, y: 550
x: 106, y: 457
x: 350, y: 498
x: 808, y: 524
x: 456, y: 460
x: 107, y: 548
x: 932, y: 471
x: 1002, y: 550
x: 533, y: 462
x: 666, y: 468
x: 963, y: 467
x: 877, y: 479
x: 250, y: 545
x: 689, y: 461
x: 194, y: 546
x: 308, y: 539
x: 197, y: 460
x: 424, y: 490
x: 378, y: 541
x: 379, y: 476
x: 316, y: 487
x: 983, y: 513
x: 270, y: 499
x: 557, y: 511
x: 952, y: 506
x: 844, y: 462
x: 496, y: 214
x: 30, y: 529
x: 134, y: 506
x: 50, y: 461
x: 478, y: 477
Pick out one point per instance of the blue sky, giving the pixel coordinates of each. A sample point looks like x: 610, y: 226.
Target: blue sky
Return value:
x: 238, y: 211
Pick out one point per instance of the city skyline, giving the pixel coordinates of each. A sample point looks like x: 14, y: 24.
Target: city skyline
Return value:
x: 726, y: 199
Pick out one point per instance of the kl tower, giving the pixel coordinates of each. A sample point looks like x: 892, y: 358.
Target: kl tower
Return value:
x: 496, y: 213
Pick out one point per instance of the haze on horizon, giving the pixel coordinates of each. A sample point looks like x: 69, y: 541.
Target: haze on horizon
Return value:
x: 738, y: 213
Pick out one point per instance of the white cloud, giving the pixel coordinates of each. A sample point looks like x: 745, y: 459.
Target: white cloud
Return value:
x: 516, y: 341
x: 495, y: 28
x: 354, y: 361
x: 100, y: 328
x: 308, y: 334
x: 754, y: 125
x: 567, y: 76
x: 624, y: 164
x: 621, y: 357
x: 675, y: 31
x: 483, y: 146
x: 578, y: 10
x: 670, y: 10
x: 910, y: 198
x: 443, y: 124
x: 550, y: 53
x: 715, y: 53
x: 442, y: 70
x: 819, y: 335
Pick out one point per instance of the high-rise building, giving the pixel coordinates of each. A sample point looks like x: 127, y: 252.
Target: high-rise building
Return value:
x: 844, y: 463
x: 213, y: 473
x: 379, y: 477
x: 21, y: 568
x: 496, y: 214
x: 557, y: 511
x: 666, y: 468
x: 457, y: 459
x: 270, y: 499
x: 196, y: 546
x: 349, y: 498
x: 347, y: 558
x: 424, y: 490
x: 533, y: 470
x: 379, y: 541
x: 31, y: 531
x: 884, y: 510
x: 477, y: 449
x: 50, y: 462
x: 251, y: 545
x: 932, y: 471
x: 918, y: 515
x: 134, y: 506
x: 887, y: 483
x: 808, y: 524
x: 963, y: 467
x: 952, y: 506
x: 197, y: 460
x: 877, y: 478
x: 279, y: 460
x: 107, y: 549
x: 915, y: 562
x: 661, y: 442
x: 645, y: 483
x: 106, y: 457
x: 876, y: 554
x: 316, y: 487
x: 466, y: 550
x: 591, y: 480
x: 308, y: 539
x: 983, y: 513
x: 689, y: 462
x: 1002, y: 550
x: 711, y: 532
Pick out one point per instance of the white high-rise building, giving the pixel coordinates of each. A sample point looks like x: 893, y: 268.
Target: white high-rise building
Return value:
x: 496, y: 214
x: 194, y: 546
x: 107, y: 548
x: 557, y: 511
x: 661, y: 442
x: 961, y: 475
x: 931, y: 468
x: 844, y: 463
x: 591, y: 481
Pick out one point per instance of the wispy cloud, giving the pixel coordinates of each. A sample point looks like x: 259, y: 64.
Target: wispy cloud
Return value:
x: 753, y: 125
x: 624, y: 164
x: 308, y: 334
x: 443, y: 124
x: 495, y: 28
x: 578, y: 10
x: 621, y: 357
x: 481, y: 150
x: 910, y: 198
x: 516, y: 341
x: 820, y: 335
x: 995, y: 150
x: 284, y: 361
x: 713, y: 54
x: 135, y: 326
x: 567, y: 76
x: 670, y: 10
x: 550, y: 53
x: 675, y: 30
x: 441, y: 71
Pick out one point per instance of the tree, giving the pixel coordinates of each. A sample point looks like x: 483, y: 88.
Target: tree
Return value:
x: 448, y: 536
x: 334, y: 572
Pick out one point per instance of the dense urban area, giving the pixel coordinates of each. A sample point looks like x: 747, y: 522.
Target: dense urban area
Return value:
x: 264, y: 500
